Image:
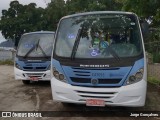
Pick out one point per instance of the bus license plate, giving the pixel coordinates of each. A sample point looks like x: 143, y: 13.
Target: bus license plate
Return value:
x: 95, y: 102
x: 34, y: 78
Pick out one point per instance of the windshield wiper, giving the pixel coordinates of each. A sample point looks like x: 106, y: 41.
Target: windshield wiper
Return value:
x: 76, y: 43
x: 43, y: 51
x: 35, y: 47
x: 38, y: 46
x: 114, y: 54
x: 29, y: 51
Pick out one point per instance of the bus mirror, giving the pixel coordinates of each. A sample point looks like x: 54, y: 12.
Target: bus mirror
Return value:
x: 144, y: 28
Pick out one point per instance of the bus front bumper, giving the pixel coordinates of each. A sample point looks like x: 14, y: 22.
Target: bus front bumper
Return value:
x: 133, y: 95
x: 27, y: 75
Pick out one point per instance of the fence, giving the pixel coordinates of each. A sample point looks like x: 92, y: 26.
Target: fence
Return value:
x: 7, y: 55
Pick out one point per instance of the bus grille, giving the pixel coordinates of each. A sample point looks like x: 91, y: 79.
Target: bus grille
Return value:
x: 97, y: 95
x: 100, y: 81
x: 34, y: 68
x: 96, y: 77
x: 38, y: 75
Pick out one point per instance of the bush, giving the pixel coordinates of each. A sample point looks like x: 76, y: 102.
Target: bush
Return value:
x: 153, y: 80
x: 6, y: 62
x: 156, y: 57
x: 152, y: 44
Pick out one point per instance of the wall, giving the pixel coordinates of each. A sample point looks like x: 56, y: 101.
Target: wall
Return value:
x: 154, y: 70
x: 6, y: 55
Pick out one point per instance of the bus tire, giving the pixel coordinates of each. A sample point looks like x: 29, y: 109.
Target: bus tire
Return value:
x: 67, y: 104
x: 26, y: 82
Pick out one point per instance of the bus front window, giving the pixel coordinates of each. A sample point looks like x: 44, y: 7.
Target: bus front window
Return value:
x: 36, y: 45
x: 101, y: 36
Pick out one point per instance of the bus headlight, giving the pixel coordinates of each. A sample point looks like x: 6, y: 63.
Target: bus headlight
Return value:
x: 61, y: 77
x: 135, y: 77
x: 17, y: 66
x: 139, y: 76
x: 58, y: 75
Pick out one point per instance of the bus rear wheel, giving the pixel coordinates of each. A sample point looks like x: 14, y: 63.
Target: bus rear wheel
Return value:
x: 26, y: 82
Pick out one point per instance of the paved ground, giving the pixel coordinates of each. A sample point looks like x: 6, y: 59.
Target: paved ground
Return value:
x: 14, y: 96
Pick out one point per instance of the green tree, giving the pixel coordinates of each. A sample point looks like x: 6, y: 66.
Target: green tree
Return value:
x: 144, y: 8
x: 74, y: 6
x: 147, y: 9
x: 19, y: 19
x: 55, y: 10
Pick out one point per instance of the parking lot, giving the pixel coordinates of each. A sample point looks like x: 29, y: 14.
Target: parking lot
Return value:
x: 14, y: 96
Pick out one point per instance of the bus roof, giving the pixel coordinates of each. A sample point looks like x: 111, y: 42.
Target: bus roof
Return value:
x: 41, y: 32
x: 97, y: 12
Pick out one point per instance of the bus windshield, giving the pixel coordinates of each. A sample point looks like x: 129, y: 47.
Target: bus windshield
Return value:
x: 36, y: 45
x: 99, y: 36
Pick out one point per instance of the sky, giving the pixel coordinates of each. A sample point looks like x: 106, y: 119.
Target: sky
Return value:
x: 4, y: 4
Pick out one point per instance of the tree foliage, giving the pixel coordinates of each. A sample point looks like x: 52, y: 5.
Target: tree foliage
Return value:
x: 19, y: 19
x: 55, y: 10
x: 93, y: 5
x: 144, y: 8
x: 148, y: 9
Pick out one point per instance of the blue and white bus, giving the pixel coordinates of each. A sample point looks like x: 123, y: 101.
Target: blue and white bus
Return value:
x: 99, y: 59
x: 33, y: 57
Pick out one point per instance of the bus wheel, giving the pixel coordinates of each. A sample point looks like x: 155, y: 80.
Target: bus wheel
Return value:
x: 26, y: 82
